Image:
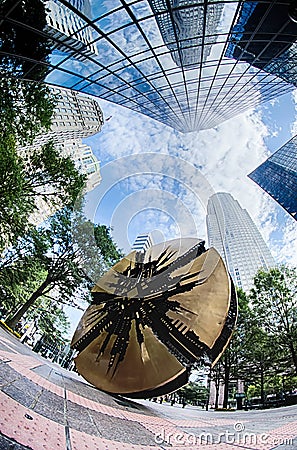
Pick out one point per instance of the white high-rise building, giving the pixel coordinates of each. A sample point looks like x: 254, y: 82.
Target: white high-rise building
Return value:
x: 234, y: 235
x: 142, y: 242
x: 70, y: 31
x: 85, y: 161
x: 75, y: 116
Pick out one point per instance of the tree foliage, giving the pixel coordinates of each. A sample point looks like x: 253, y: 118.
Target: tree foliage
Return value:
x: 108, y: 248
x: 58, y: 262
x: 41, y: 174
x: 262, y: 351
x: 52, y: 176
x: 193, y: 393
x: 230, y: 366
x: 49, y: 318
x: 14, y: 207
x: 38, y: 265
x: 58, y: 259
x: 274, y: 301
x: 26, y: 109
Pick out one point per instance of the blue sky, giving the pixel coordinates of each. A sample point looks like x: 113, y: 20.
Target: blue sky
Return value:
x: 148, y: 168
x: 155, y: 178
x: 223, y: 156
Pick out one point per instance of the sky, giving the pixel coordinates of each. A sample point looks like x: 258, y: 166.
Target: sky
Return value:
x: 148, y: 170
x: 155, y: 179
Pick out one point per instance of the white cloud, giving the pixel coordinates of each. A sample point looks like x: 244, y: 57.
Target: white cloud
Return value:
x: 225, y: 154
x: 288, y: 249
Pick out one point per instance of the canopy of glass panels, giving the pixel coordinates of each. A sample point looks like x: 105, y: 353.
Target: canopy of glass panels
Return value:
x: 188, y: 64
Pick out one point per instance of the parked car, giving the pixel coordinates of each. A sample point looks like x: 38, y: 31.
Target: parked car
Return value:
x: 254, y: 403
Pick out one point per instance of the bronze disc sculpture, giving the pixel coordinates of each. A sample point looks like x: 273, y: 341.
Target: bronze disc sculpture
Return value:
x: 154, y: 315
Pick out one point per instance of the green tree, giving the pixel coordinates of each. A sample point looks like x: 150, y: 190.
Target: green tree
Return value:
x: 42, y: 174
x: 19, y: 276
x: 264, y: 333
x: 108, y: 248
x: 14, y: 206
x: 61, y: 262
x: 228, y: 369
x: 193, y: 393
x: 26, y: 109
x: 274, y: 302
x: 260, y: 360
x: 50, y: 319
x: 59, y: 259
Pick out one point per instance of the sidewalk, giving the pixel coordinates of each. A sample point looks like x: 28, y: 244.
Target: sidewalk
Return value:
x: 44, y: 407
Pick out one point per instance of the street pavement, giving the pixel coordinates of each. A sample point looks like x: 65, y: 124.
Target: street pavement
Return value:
x: 44, y: 407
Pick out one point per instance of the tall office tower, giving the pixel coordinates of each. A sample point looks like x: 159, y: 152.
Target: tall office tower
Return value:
x: 182, y: 29
x: 135, y: 66
x: 70, y: 31
x: 86, y: 163
x: 142, y: 242
x: 234, y: 235
x: 75, y: 116
x: 278, y: 176
x: 264, y: 36
x: 84, y: 159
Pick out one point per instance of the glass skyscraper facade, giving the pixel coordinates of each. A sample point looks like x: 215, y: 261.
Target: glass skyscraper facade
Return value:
x: 278, y: 176
x: 67, y: 26
x: 182, y: 29
x: 264, y: 36
x: 174, y: 61
x: 232, y: 232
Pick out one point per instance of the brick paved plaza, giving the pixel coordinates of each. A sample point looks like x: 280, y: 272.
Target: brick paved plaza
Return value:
x: 44, y: 407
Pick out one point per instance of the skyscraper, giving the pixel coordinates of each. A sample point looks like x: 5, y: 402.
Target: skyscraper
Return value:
x: 234, y: 235
x: 147, y: 58
x: 264, y: 36
x: 278, y: 176
x: 85, y: 162
x: 68, y: 29
x: 182, y: 29
x: 84, y: 159
x: 142, y: 242
x: 75, y: 116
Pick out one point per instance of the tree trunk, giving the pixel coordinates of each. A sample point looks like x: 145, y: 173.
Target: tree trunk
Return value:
x: 262, y: 384
x: 217, y: 386
x: 208, y: 388
x: 217, y: 396
x: 293, y: 354
x: 226, y: 381
x: 24, y: 308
